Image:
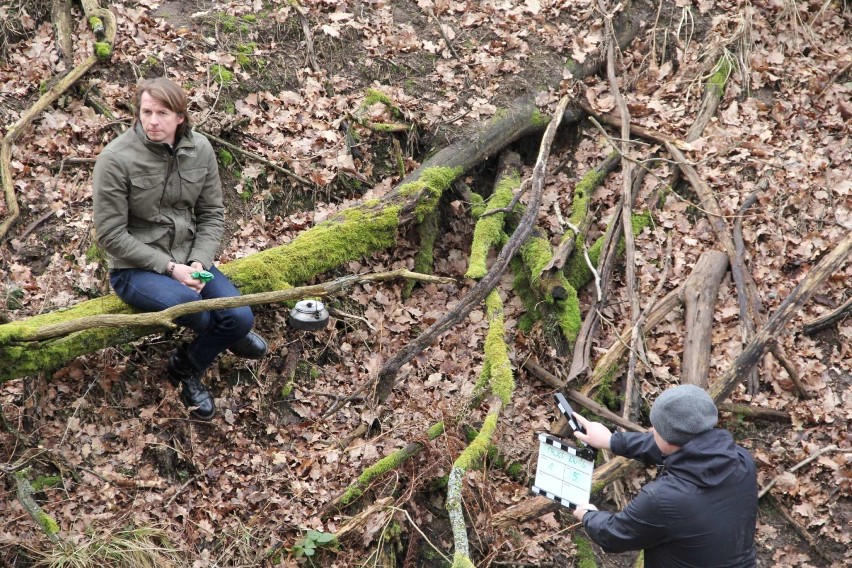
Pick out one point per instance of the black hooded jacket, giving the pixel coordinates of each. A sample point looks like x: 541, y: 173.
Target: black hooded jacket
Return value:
x: 700, y: 512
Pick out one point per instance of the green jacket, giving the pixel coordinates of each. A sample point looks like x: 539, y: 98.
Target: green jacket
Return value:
x: 153, y: 205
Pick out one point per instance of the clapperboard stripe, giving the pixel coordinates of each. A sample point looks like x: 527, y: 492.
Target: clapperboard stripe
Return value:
x: 552, y: 497
x: 556, y: 443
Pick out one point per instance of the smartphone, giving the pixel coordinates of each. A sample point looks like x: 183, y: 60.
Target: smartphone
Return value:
x: 566, y: 409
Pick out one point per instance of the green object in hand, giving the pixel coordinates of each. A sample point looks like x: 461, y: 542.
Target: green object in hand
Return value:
x: 202, y: 275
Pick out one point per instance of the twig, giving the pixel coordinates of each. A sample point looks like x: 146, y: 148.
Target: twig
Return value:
x: 823, y: 322
x: 309, y: 35
x: 737, y: 271
x: 511, y: 206
x: 32, y: 226
x: 791, y: 370
x: 180, y: 489
x: 337, y: 313
x: 258, y: 158
x: 594, y: 273
x: 631, y: 392
x: 634, y: 129
x: 443, y: 34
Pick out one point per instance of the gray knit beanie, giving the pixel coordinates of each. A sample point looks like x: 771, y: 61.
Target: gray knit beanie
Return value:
x: 683, y: 412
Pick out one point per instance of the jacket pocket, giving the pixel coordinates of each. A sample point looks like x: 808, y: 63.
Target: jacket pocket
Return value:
x: 150, y: 234
x: 191, y: 184
x: 145, y: 194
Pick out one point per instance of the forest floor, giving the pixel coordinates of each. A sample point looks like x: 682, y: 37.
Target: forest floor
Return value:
x: 244, y: 489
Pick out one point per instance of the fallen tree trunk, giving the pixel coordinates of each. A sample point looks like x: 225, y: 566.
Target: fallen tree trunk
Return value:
x: 699, y: 298
x: 23, y: 343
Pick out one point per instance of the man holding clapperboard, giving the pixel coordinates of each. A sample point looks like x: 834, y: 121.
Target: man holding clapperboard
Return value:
x: 700, y: 511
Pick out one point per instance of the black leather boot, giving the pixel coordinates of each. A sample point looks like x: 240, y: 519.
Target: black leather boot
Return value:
x: 193, y: 393
x: 252, y: 346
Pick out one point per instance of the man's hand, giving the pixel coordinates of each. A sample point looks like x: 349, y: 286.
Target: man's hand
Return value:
x: 581, y: 510
x: 597, y: 435
x: 183, y: 274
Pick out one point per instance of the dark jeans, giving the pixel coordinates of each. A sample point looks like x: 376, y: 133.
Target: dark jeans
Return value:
x: 216, y: 330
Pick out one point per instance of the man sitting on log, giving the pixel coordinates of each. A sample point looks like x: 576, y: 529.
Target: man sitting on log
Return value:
x: 702, y: 508
x: 160, y: 217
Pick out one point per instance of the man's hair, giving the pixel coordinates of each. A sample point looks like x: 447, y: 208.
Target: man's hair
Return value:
x: 169, y: 95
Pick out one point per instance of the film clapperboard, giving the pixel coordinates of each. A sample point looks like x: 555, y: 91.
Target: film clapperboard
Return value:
x: 564, y: 471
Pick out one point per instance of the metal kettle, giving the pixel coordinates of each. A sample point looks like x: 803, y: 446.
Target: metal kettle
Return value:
x: 308, y: 315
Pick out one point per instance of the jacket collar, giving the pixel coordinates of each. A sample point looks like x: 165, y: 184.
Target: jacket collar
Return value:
x: 184, y: 143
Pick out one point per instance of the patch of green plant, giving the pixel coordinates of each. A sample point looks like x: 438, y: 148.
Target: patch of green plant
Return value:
x: 226, y: 159
x: 245, y: 56
x: 44, y: 481
x: 221, y: 75
x: 308, y: 544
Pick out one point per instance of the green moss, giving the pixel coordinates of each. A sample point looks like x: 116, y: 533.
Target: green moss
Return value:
x: 226, y: 159
x: 17, y: 360
x: 429, y: 186
x: 585, y: 554
x: 462, y: 561
x: 477, y: 205
x: 536, y: 253
x: 499, y: 114
x: 478, y: 448
x: 568, y: 314
x: 47, y: 523
x: 521, y: 287
x: 45, y: 481
x: 539, y: 119
x: 383, y: 466
x: 606, y: 394
x: 96, y: 24
x: 435, y: 430
x: 720, y: 76
x: 231, y: 24
x: 356, y: 232
x: 499, y: 368
x: 103, y: 50
x: 577, y: 271
x: 427, y: 232
x: 221, y: 75
x: 582, y: 193
x: 489, y: 230
x: 376, y: 96
x: 96, y: 254
x: 244, y: 53
x: 515, y: 471
x: 526, y: 322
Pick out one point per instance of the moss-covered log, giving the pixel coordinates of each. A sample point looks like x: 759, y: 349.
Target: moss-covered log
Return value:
x: 384, y: 465
x: 489, y: 231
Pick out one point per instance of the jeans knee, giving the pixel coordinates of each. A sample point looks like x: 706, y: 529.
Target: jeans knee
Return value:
x: 243, y: 320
